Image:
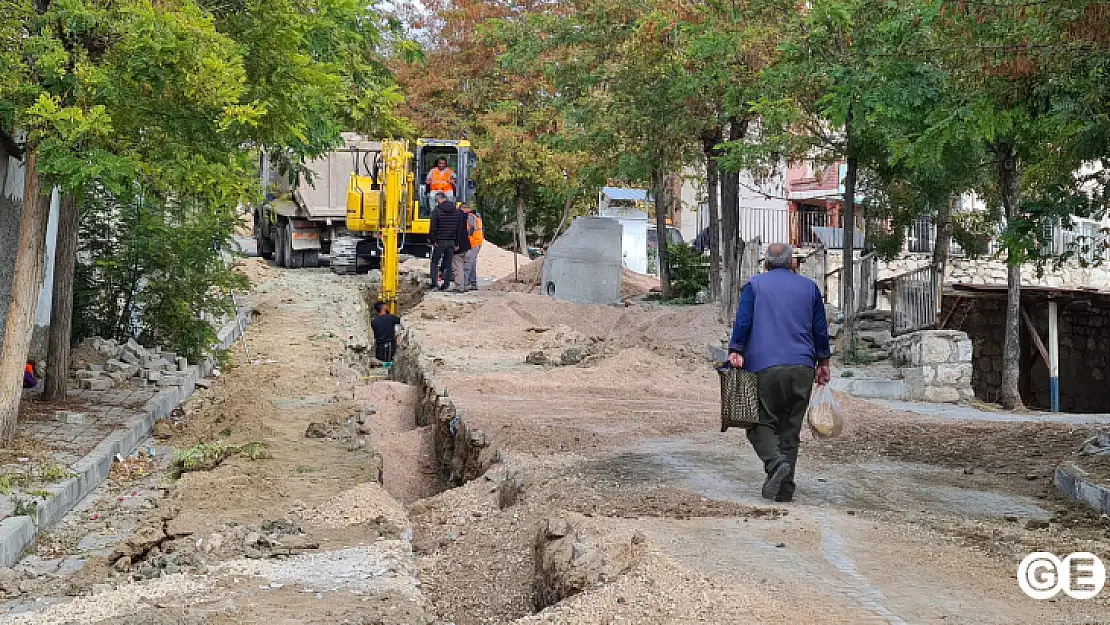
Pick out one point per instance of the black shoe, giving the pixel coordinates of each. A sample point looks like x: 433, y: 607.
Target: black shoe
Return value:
x: 784, y: 498
x: 775, y: 478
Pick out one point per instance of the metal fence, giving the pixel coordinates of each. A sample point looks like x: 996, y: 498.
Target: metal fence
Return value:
x: 914, y: 300
x: 770, y: 225
x: 779, y: 224
x: 1085, y: 238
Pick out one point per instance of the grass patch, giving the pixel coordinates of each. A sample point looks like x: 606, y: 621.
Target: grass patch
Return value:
x: 50, y: 472
x: 11, y: 481
x: 305, y: 469
x: 26, y: 507
x: 41, y: 493
x: 255, y: 451
x: 207, y: 456
x: 225, y: 432
x: 847, y: 374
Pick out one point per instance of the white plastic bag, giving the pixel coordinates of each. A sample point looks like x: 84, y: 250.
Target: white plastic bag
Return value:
x: 824, y: 416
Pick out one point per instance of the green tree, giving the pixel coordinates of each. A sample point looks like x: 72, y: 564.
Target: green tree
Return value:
x: 148, y: 115
x: 1030, y: 85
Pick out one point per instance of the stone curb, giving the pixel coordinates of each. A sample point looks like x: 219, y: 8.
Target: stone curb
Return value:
x: 1071, y: 481
x: 17, y: 532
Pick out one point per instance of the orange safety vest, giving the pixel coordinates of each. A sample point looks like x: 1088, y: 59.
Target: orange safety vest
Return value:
x: 441, y: 180
x: 475, y: 229
x: 29, y: 369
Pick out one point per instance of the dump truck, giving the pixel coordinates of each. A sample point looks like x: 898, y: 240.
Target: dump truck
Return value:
x: 312, y: 214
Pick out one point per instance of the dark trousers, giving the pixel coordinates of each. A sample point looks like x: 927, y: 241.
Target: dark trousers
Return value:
x: 442, y: 256
x: 383, y: 351
x: 783, y: 398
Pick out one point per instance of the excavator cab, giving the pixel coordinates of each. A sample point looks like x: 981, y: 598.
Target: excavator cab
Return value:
x: 460, y: 158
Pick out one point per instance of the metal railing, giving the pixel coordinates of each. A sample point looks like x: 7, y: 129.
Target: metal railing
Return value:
x: 914, y: 300
x: 777, y: 224
x: 803, y: 222
x: 1085, y: 238
x: 769, y: 225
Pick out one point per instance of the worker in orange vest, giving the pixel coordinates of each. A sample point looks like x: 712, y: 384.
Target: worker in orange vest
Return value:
x: 476, y: 232
x: 29, y: 378
x: 442, y: 178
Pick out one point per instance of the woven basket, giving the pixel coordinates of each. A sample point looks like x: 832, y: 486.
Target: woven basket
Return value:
x: 739, y: 398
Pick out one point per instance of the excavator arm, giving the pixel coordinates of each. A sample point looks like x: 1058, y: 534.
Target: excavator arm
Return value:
x: 396, y: 181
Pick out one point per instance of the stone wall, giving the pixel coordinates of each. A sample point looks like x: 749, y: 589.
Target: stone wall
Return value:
x: 936, y: 365
x: 962, y: 270
x: 1084, y: 327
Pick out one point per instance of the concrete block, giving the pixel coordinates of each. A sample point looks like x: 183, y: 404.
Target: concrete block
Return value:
x: 913, y: 379
x: 964, y: 350
x: 935, y: 349
x: 98, y: 384
x: 953, y: 374
x: 129, y: 357
x: 118, y: 377
x: 70, y: 418
x: 114, y: 365
x: 182, y: 363
x: 134, y: 346
x: 88, y: 375
x: 152, y: 375
x: 941, y: 395
x: 95, y: 368
x: 169, y: 356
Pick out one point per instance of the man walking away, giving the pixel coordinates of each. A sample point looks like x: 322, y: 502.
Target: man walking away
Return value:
x: 475, y: 230
x: 384, y: 325
x: 444, y: 233
x: 780, y: 334
x: 462, y: 246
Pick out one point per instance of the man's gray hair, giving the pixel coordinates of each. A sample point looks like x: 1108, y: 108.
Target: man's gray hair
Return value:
x: 780, y: 255
x: 441, y: 195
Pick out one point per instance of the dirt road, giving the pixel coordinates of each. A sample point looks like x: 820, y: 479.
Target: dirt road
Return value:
x: 905, y: 519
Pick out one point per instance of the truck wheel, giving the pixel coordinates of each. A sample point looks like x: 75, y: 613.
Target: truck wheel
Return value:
x: 264, y: 247
x: 279, y: 248
x: 311, y: 258
x: 293, y: 259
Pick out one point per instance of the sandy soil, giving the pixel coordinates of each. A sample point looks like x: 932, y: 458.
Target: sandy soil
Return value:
x: 628, y: 437
x: 901, y: 519
x: 304, y: 535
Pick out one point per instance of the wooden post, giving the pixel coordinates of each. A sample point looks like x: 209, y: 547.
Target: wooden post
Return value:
x: 1053, y: 357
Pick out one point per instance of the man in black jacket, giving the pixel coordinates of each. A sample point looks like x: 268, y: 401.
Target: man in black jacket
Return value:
x: 447, y: 221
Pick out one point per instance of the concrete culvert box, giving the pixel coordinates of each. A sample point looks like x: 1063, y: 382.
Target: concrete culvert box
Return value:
x: 584, y: 264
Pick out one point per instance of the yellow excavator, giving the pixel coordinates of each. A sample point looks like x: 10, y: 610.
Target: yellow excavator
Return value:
x: 388, y: 207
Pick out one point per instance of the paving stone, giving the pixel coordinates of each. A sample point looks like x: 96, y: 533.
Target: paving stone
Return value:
x: 37, y: 567
x: 98, y: 384
x: 70, y: 565
x: 96, y: 541
x: 69, y: 417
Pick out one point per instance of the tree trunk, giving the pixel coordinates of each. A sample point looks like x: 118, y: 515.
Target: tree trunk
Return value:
x: 944, y: 236
x: 1010, y: 395
x: 847, y: 275
x: 942, y: 245
x: 521, y: 232
x: 567, y: 204
x: 26, y: 282
x: 659, y: 191
x: 712, y: 185
x: 61, y: 311
x: 731, y: 246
